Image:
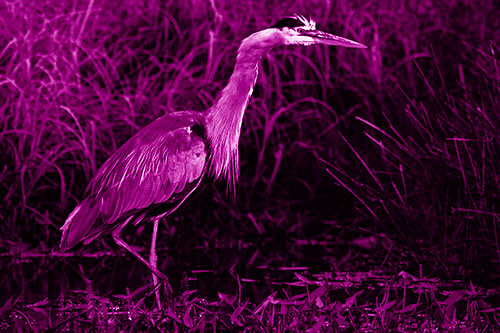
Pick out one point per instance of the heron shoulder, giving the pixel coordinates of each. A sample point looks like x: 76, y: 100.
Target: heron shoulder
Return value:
x: 158, y: 149
x: 173, y: 123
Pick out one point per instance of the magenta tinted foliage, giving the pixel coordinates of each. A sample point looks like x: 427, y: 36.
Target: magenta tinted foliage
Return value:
x: 379, y: 158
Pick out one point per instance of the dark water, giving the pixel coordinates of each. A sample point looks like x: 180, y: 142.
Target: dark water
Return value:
x: 259, y: 269
x: 243, y: 269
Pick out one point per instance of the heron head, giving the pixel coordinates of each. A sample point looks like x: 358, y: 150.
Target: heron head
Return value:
x: 297, y: 30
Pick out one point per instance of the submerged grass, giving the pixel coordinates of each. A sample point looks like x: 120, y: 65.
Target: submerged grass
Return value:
x: 397, y: 142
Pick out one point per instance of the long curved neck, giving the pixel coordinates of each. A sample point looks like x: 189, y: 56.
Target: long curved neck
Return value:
x: 225, y: 117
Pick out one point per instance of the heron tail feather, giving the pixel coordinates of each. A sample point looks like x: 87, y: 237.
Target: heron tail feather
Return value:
x: 79, y: 223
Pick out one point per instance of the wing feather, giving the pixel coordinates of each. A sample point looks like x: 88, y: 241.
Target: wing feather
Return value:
x: 148, y: 169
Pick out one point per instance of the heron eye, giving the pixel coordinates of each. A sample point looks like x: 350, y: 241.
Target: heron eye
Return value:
x: 300, y: 30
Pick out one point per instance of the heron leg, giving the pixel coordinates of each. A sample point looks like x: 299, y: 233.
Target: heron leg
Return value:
x: 118, y: 240
x: 153, y: 259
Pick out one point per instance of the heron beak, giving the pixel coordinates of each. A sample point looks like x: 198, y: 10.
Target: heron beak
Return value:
x: 326, y: 38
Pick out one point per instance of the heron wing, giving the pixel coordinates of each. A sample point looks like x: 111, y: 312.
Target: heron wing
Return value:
x: 148, y: 169
x: 155, y: 166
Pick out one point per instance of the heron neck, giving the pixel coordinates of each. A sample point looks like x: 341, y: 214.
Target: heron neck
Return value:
x: 225, y: 118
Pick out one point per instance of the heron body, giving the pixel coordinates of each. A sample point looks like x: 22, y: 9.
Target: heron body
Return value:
x: 148, y: 177
x: 152, y: 174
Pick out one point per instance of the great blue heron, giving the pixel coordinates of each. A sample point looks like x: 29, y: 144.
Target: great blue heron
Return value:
x: 152, y: 174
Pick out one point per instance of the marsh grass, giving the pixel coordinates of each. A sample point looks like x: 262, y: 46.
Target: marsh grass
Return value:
x: 397, y: 142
